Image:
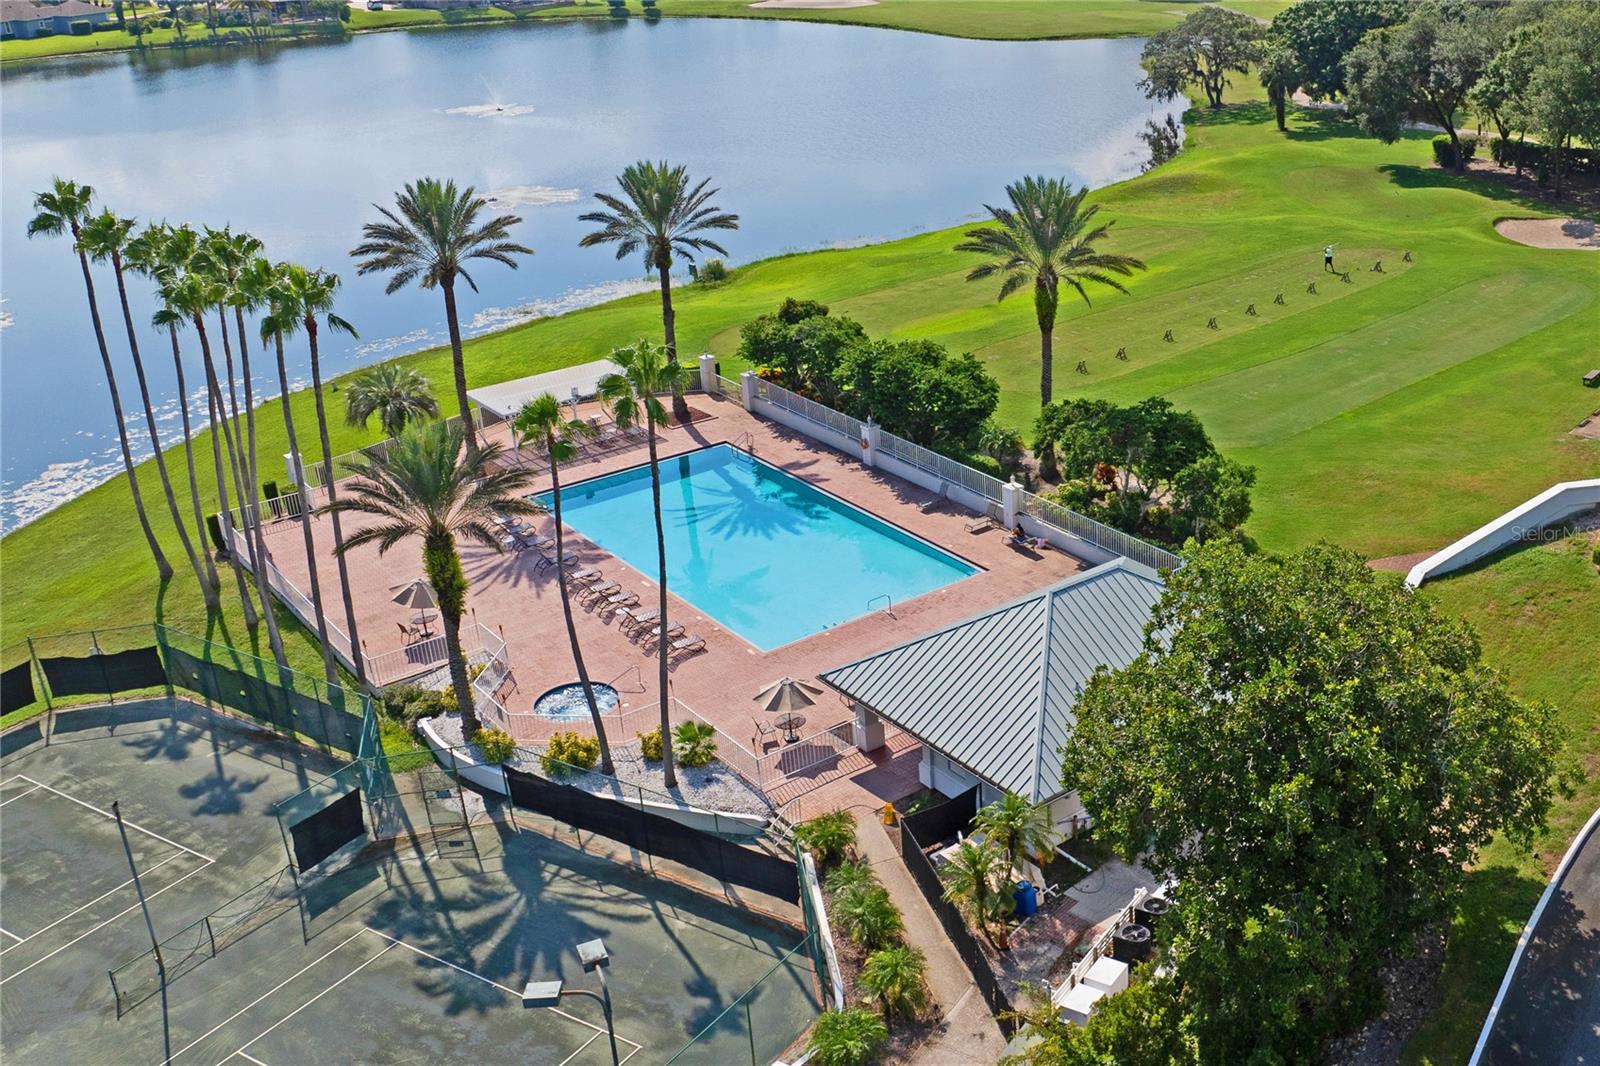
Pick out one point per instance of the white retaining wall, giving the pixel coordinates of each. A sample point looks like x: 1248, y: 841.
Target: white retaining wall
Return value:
x: 1551, y: 507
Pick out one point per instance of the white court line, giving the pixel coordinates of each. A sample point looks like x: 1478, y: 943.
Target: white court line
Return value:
x: 250, y: 1058
x: 307, y: 1003
x: 13, y: 936
x: 18, y: 796
x: 102, y: 925
x: 91, y: 903
x: 108, y: 814
x: 264, y: 995
x: 592, y: 1038
x: 397, y: 942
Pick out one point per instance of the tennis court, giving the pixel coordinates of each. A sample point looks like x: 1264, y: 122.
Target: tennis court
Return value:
x: 417, y: 951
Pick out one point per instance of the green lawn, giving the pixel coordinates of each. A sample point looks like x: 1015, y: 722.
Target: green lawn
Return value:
x: 988, y: 19
x: 1535, y: 609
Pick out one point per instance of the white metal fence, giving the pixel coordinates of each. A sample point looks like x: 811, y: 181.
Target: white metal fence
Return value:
x: 947, y: 469
x: 1115, y: 540
x: 810, y: 410
x: 316, y: 472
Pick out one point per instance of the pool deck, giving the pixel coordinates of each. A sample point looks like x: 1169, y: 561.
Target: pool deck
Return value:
x: 510, y: 593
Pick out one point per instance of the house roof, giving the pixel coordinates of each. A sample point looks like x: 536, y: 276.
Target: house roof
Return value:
x: 507, y: 398
x: 997, y: 692
x: 28, y: 10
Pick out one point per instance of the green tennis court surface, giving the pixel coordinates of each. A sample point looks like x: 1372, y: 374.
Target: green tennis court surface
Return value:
x: 418, y: 952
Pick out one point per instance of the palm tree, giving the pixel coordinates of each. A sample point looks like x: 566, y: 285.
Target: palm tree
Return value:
x: 1045, y: 238
x: 282, y: 319
x: 430, y: 236
x: 108, y: 237
x: 659, y: 213
x: 309, y: 295
x: 154, y: 253
x: 632, y: 396
x: 396, y: 394
x: 969, y: 882
x: 1017, y: 827
x: 427, y: 485
x: 64, y: 208
x: 542, y: 417
x: 897, y: 977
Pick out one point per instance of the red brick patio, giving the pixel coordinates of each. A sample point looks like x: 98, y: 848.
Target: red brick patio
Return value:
x: 511, y: 594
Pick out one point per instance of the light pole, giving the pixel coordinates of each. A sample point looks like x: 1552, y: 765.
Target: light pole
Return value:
x: 594, y: 957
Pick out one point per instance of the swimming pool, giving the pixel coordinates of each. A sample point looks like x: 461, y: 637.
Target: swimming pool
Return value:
x: 760, y: 551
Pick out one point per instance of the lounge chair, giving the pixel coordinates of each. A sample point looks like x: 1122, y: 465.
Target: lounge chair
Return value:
x: 618, y: 601
x: 686, y: 644
x: 587, y: 576
x: 979, y: 524
x: 602, y: 588
x: 638, y: 616
x: 938, y: 499
x: 673, y: 630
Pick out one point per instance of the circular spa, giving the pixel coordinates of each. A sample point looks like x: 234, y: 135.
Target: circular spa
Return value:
x: 565, y: 703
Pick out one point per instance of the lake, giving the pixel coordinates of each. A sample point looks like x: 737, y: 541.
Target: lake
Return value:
x: 817, y: 135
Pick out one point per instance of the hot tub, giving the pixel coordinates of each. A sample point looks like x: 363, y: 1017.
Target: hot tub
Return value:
x: 565, y: 703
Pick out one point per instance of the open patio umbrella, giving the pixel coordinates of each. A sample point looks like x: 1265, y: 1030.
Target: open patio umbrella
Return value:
x: 786, y: 695
x: 418, y: 595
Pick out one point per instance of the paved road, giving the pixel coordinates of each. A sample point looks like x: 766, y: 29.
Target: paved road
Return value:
x: 1550, y: 1014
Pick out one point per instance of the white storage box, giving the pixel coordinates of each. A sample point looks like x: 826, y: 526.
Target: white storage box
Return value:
x: 1079, y: 1002
x: 1109, y: 974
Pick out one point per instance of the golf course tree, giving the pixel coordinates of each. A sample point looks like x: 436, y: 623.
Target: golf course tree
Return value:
x: 632, y: 397
x: 1201, y: 50
x: 1563, y: 95
x: 1314, y: 755
x: 1423, y: 67
x: 918, y: 389
x: 431, y: 486
x: 1046, y: 238
x: 1279, y: 72
x: 1501, y: 91
x: 543, y: 420
x: 1145, y: 468
x: 801, y: 347
x: 1321, y: 33
x: 660, y: 214
x: 63, y: 210
x: 431, y: 236
x: 394, y: 392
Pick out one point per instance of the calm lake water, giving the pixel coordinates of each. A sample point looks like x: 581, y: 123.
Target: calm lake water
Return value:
x: 816, y: 135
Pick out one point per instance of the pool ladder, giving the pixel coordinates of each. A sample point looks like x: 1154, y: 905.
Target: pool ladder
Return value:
x: 888, y: 604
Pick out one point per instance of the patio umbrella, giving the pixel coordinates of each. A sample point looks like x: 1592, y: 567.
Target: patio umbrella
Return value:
x: 417, y: 594
x: 787, y: 695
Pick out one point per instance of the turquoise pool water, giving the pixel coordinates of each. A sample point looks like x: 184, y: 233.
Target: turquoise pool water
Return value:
x: 766, y: 555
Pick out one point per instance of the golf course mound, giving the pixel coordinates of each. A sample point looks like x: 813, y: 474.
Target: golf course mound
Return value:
x: 1569, y: 233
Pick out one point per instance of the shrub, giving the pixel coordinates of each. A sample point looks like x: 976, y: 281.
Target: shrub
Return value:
x: 428, y: 704
x: 448, y: 703
x: 497, y: 746
x: 394, y: 700
x: 850, y: 877
x: 712, y: 272
x: 81, y: 27
x: 792, y: 310
x: 869, y: 917
x: 567, y: 749
x: 897, y: 978
x: 1444, y: 152
x: 847, y: 1038
x: 650, y: 744
x: 694, y: 743
x: 828, y: 836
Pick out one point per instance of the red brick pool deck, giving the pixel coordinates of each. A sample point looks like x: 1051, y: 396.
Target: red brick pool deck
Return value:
x: 513, y: 595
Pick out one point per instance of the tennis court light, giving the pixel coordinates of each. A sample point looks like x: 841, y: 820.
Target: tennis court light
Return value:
x: 595, y: 958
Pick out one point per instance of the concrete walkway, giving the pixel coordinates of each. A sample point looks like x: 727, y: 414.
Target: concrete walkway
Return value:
x: 968, y: 1033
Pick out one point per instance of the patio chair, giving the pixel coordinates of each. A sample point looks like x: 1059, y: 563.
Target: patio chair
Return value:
x: 686, y: 644
x: 938, y: 499
x: 408, y: 634
x: 765, y: 734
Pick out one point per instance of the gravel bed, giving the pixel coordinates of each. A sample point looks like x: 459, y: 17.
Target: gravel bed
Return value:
x: 713, y: 787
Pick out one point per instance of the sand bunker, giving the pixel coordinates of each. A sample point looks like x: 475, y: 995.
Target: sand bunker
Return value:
x: 1576, y: 233
x: 820, y: 4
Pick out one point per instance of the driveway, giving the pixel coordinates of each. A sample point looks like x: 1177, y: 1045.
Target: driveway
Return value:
x: 1548, y: 1011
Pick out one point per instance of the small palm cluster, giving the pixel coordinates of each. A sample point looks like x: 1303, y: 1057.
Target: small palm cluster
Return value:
x: 893, y: 975
x: 979, y: 875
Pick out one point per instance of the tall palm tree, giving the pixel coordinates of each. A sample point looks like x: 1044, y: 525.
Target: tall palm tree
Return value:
x: 107, y: 236
x: 1045, y: 238
x: 281, y: 320
x: 191, y: 296
x: 427, y: 485
x: 969, y: 882
x: 659, y: 213
x: 434, y: 231
x: 309, y: 294
x: 396, y: 394
x: 632, y: 396
x: 63, y: 209
x: 1017, y: 827
x: 154, y: 254
x: 543, y: 418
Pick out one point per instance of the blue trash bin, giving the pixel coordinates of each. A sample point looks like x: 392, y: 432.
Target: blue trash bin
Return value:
x: 1027, y: 899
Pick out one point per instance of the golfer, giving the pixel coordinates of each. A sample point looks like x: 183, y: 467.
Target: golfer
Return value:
x: 1327, y: 258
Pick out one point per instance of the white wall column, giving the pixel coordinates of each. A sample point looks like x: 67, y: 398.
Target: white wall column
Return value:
x: 747, y: 389
x: 1010, y: 504
x: 868, y: 729
x: 870, y: 437
x: 296, y: 472
x: 708, y: 374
